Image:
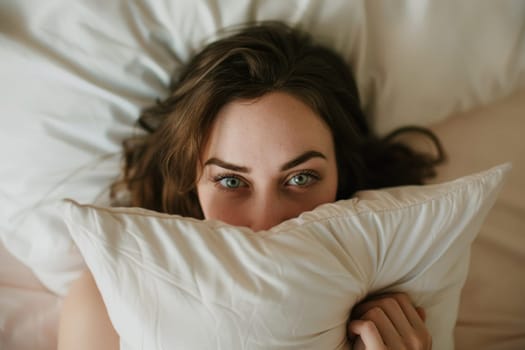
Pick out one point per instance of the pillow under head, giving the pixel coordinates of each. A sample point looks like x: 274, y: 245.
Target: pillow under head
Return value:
x: 180, y: 283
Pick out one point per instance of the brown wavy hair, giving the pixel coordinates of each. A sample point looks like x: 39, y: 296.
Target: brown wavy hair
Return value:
x: 160, y: 170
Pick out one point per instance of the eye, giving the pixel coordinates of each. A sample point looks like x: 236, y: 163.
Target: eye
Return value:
x: 230, y: 182
x: 302, y: 179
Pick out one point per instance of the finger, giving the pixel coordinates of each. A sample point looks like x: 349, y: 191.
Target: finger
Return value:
x: 422, y: 313
x: 368, y: 333
x: 397, y: 308
x: 368, y: 303
x: 358, y: 344
x: 423, y: 338
x: 410, y: 311
x: 392, y: 313
x: 387, y: 329
x: 415, y: 317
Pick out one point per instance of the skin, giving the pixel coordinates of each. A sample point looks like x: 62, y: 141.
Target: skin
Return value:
x: 84, y: 322
x: 270, y: 159
x: 388, y: 321
x: 266, y: 160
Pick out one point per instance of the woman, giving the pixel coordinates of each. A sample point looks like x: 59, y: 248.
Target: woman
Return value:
x: 261, y: 126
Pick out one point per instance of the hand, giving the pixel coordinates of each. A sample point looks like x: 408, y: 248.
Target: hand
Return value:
x: 389, y: 321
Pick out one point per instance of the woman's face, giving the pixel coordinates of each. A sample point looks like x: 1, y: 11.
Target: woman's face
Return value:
x: 266, y: 160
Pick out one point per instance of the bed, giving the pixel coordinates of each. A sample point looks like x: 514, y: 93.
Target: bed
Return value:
x: 75, y: 75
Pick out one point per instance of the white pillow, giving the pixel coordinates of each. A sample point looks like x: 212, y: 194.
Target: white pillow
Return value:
x: 76, y: 75
x: 179, y: 283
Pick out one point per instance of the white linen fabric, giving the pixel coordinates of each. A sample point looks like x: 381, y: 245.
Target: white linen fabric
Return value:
x: 181, y: 283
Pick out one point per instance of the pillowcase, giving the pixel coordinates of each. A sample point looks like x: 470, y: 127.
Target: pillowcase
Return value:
x: 182, y: 283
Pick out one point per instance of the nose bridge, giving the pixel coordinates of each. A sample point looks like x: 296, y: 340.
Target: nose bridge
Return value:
x: 269, y: 210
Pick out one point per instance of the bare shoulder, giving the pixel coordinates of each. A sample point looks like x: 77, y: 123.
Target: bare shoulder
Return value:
x: 84, y: 321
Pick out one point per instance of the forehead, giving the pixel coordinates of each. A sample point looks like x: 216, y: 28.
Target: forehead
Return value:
x: 276, y: 124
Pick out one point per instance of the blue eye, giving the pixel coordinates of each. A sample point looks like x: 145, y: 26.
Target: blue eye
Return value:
x: 231, y: 182
x: 302, y: 179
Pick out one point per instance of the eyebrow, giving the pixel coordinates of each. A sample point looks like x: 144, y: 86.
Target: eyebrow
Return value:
x: 301, y: 159
x: 288, y: 165
x: 226, y: 165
